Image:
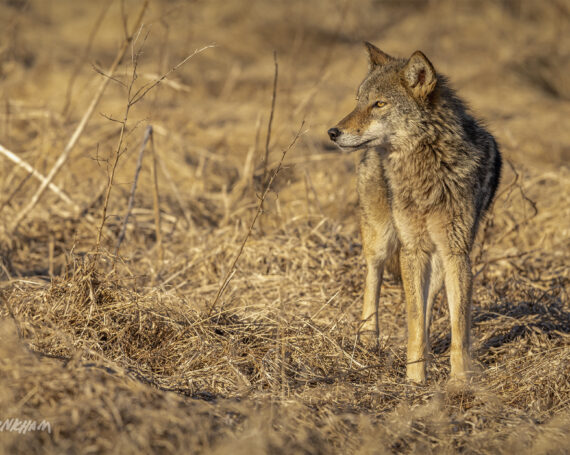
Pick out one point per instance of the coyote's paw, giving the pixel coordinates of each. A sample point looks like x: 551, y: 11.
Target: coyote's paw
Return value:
x: 369, y: 339
x: 460, y: 386
x: 416, y: 372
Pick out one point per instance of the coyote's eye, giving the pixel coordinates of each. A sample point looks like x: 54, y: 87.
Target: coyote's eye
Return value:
x: 380, y: 104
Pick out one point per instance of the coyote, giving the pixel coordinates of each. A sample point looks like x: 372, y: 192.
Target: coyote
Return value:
x: 427, y: 175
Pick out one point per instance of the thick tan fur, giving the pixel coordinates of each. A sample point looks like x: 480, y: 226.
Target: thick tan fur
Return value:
x: 428, y: 173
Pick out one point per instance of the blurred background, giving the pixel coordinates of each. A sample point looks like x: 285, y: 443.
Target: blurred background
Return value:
x: 510, y: 60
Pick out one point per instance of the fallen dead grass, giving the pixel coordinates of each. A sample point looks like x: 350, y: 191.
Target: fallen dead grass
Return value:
x: 128, y: 355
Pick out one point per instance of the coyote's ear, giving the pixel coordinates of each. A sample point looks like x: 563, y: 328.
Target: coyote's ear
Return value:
x: 419, y: 75
x: 376, y: 56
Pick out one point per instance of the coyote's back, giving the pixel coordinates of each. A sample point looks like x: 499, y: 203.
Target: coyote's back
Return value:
x: 429, y: 172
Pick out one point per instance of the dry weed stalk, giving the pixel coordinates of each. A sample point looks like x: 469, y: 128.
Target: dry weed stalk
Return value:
x: 269, y: 125
x: 146, y: 138
x: 119, y: 149
x: 133, y: 97
x: 81, y: 126
x: 83, y: 58
x: 119, y: 364
x: 270, y: 122
x: 258, y: 212
x: 156, y: 201
x: 35, y: 173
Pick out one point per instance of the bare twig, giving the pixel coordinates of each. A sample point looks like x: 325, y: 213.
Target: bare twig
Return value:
x: 80, y: 127
x: 34, y: 173
x: 119, y: 149
x: 268, y: 138
x: 269, y: 124
x: 258, y: 212
x: 156, y: 200
x: 15, y: 191
x: 83, y: 57
x: 132, y: 99
x: 108, y: 76
x: 515, y: 184
x: 142, y: 91
x: 147, y: 136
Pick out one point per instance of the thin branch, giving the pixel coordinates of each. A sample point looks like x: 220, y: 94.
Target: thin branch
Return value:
x: 80, y: 127
x: 33, y: 172
x: 131, y: 100
x: 83, y: 57
x: 156, y: 200
x: 269, y: 124
x: 268, y: 138
x: 109, y: 117
x: 113, y: 78
x: 142, y: 91
x: 258, y: 212
x: 117, y: 155
x: 147, y: 136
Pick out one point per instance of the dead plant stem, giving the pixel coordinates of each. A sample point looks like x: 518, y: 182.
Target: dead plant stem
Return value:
x: 269, y: 125
x: 270, y: 122
x: 84, y: 56
x: 258, y: 212
x: 156, y: 201
x: 80, y: 127
x: 132, y: 99
x: 147, y: 136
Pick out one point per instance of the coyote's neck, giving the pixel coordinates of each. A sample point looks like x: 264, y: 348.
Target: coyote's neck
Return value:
x: 428, y: 175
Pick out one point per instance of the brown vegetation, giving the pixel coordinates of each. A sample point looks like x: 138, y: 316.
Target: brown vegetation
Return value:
x: 136, y: 353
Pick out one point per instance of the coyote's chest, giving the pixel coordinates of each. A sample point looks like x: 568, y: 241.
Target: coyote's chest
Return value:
x: 423, y: 181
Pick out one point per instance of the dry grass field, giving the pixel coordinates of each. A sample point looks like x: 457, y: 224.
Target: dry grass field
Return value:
x: 203, y: 334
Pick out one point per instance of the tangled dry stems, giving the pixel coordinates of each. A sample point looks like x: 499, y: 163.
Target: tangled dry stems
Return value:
x: 282, y: 347
x: 125, y: 358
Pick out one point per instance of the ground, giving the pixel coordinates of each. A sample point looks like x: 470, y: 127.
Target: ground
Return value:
x: 208, y: 330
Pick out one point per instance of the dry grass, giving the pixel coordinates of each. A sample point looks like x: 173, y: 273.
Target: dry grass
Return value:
x: 123, y: 355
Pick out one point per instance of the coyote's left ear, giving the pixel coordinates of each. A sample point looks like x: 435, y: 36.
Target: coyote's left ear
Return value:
x: 375, y: 56
x: 419, y: 75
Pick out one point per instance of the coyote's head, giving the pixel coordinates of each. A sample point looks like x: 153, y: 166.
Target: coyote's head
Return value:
x: 391, y: 102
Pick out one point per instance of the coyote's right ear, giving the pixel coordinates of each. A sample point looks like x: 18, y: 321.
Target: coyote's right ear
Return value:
x: 419, y: 75
x: 376, y: 56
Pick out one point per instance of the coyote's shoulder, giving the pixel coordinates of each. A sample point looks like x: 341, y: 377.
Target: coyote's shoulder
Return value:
x: 428, y: 173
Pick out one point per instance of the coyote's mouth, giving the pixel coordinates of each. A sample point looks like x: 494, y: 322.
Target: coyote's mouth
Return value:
x: 357, y: 146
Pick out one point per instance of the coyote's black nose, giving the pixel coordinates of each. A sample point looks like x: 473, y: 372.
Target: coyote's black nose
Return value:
x: 334, y: 133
